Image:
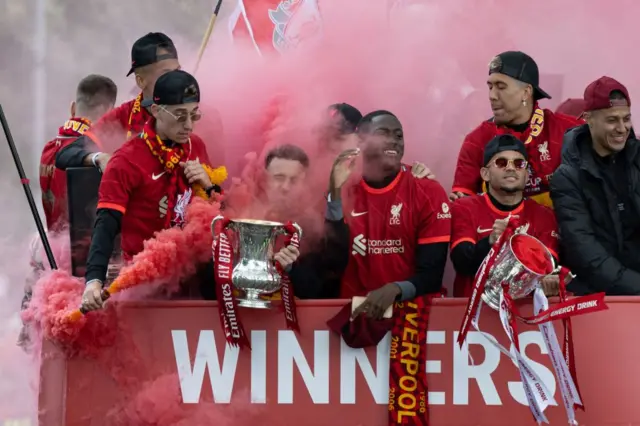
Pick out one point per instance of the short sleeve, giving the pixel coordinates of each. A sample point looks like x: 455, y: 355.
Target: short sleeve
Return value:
x: 467, y: 174
x: 546, y: 230
x: 462, y: 224
x: 118, y: 182
x: 435, y: 217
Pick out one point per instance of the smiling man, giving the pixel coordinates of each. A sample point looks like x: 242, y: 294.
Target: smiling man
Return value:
x: 396, y: 235
x: 514, y: 93
x: 478, y: 220
x: 596, y: 192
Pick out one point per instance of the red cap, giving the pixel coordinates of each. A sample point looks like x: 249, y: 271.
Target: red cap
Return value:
x: 362, y: 332
x: 597, y: 94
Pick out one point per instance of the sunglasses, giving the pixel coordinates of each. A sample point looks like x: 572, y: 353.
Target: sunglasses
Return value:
x: 182, y: 118
x: 502, y: 163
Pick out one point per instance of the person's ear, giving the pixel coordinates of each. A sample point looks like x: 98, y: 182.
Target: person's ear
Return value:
x: 72, y: 109
x: 484, y: 174
x: 155, y: 110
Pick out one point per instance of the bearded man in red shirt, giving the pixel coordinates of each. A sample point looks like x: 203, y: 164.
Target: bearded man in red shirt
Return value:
x: 152, y: 56
x: 479, y: 220
x: 95, y: 96
x: 514, y: 93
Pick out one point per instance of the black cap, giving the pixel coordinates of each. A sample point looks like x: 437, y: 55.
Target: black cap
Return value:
x: 503, y: 143
x: 145, y: 50
x: 520, y: 66
x: 176, y: 88
x: 351, y: 116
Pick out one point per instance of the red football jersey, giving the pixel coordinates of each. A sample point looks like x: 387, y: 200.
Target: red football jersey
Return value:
x: 119, y: 125
x: 135, y: 184
x: 386, y: 225
x: 473, y: 218
x: 543, y: 139
x: 53, y: 181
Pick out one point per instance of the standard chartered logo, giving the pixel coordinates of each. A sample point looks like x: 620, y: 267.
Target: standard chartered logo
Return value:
x: 361, y: 246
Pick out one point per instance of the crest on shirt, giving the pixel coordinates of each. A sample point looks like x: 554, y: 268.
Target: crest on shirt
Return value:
x: 543, y: 148
x: 522, y: 229
x: 181, y: 207
x: 395, y: 214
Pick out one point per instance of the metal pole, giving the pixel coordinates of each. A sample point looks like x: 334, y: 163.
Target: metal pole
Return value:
x: 27, y: 190
x: 39, y: 79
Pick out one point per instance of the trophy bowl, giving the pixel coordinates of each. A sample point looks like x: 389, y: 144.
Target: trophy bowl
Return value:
x: 254, y: 272
x: 521, y: 263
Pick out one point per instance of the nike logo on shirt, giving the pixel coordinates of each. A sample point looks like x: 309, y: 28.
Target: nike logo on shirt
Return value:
x: 354, y: 214
x: 156, y: 177
x: 481, y: 231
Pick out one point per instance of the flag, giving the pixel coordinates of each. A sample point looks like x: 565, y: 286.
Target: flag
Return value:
x: 276, y: 25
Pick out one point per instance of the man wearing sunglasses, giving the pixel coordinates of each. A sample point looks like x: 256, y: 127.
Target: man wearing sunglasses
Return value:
x: 514, y: 94
x: 151, y: 179
x: 478, y: 220
x: 152, y: 55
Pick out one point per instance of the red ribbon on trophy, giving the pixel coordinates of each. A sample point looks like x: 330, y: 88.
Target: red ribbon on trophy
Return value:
x: 223, y: 269
x: 481, y: 279
x: 288, y: 298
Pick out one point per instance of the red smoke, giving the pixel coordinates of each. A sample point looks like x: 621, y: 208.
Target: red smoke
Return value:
x: 174, y: 254
x: 159, y: 403
x: 170, y: 257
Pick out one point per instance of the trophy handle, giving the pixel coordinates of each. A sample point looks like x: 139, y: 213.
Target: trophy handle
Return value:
x: 570, y: 275
x: 299, y: 229
x: 213, y: 225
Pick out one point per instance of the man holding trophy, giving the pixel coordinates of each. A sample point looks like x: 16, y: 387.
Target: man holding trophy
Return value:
x: 478, y: 220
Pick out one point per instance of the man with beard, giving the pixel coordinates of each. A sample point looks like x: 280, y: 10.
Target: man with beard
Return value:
x: 151, y: 56
x: 514, y: 93
x: 395, y: 238
x: 478, y: 220
x: 596, y: 193
x: 95, y: 96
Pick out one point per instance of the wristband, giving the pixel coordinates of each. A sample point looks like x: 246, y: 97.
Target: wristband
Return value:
x: 211, y: 188
x: 93, y: 159
x: 93, y: 281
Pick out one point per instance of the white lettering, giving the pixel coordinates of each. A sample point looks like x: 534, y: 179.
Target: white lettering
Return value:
x: 378, y: 383
x: 463, y: 371
x: 258, y: 366
x: 587, y: 305
x: 516, y: 389
x: 315, y: 369
x: 289, y: 351
x: 435, y: 367
x: 206, y: 355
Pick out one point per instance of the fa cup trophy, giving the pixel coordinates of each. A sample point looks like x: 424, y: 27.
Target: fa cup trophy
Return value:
x: 253, y: 272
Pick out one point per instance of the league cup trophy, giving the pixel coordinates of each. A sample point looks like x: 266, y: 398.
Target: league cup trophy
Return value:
x: 521, y: 263
x: 254, y: 273
x: 512, y: 270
